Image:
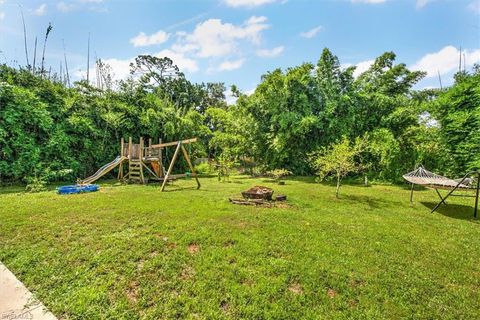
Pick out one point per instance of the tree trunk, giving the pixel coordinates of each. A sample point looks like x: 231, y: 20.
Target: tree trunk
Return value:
x: 338, y: 186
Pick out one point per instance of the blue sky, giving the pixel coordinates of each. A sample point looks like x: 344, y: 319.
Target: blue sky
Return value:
x: 236, y: 41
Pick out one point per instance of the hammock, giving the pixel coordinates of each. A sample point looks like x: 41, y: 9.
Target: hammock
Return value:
x: 423, y: 177
x: 428, y: 179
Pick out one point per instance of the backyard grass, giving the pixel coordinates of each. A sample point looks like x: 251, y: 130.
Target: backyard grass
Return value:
x: 132, y: 252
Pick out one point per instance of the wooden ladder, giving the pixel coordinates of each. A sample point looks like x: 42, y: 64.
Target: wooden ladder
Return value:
x: 135, y: 170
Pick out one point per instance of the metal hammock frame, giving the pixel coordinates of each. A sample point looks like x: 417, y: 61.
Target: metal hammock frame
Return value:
x: 428, y: 179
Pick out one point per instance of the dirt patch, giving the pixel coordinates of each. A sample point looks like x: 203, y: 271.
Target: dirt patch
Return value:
x: 133, y: 292
x: 295, y: 288
x: 282, y: 205
x: 248, y: 282
x: 356, y: 282
x: 187, y: 273
x: 229, y: 243
x: 331, y: 293
x: 140, y: 264
x: 193, y: 248
x: 153, y: 254
x: 225, y: 307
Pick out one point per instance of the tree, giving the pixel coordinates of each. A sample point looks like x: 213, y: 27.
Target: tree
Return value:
x: 153, y: 68
x: 337, y: 160
x: 458, y: 111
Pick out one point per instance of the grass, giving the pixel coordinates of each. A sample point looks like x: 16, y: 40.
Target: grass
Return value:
x: 132, y: 252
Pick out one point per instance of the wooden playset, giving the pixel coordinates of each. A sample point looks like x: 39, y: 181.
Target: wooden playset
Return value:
x: 139, y: 163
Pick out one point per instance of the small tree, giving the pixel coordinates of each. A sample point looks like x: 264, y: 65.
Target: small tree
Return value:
x: 225, y: 166
x: 278, y: 174
x: 337, y: 160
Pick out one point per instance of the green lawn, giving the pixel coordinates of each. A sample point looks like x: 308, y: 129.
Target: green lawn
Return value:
x: 131, y: 252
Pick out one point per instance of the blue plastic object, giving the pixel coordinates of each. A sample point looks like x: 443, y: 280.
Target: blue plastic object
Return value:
x: 78, y: 188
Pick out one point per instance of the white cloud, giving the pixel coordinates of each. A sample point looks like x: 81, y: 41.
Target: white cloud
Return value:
x: 270, y: 53
x: 121, y: 67
x: 247, y: 3
x: 2, y: 15
x: 183, y: 62
x: 213, y: 38
x: 362, y: 67
x: 445, y: 61
x: 41, y: 10
x: 231, y: 65
x: 419, y: 4
x: 143, y: 40
x: 368, y: 1
x: 312, y: 32
x: 65, y: 7
x: 474, y: 6
x: 91, y: 5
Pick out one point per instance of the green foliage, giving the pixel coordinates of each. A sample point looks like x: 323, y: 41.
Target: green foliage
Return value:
x: 204, y: 168
x: 46, y: 127
x: 458, y: 111
x: 337, y: 160
x: 226, y: 163
x: 278, y: 174
x: 36, y: 184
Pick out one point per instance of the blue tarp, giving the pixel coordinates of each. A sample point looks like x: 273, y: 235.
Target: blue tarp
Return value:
x: 78, y: 188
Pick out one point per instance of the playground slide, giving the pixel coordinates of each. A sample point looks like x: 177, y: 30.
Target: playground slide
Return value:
x: 103, y: 170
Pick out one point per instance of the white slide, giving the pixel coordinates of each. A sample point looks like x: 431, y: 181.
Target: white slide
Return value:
x: 103, y: 170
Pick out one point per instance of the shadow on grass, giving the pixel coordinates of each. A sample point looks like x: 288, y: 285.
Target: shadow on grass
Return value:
x: 375, y: 203
x: 456, y: 211
x: 175, y: 188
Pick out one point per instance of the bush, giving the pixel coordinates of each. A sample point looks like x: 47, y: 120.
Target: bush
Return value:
x: 204, y: 168
x: 36, y: 184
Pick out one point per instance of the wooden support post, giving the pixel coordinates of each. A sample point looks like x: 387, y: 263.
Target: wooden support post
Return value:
x: 476, y: 196
x: 170, y: 167
x: 129, y: 155
x: 120, y: 168
x: 142, y: 178
x: 160, y: 157
x: 129, y: 147
x: 149, y: 153
x: 185, y: 154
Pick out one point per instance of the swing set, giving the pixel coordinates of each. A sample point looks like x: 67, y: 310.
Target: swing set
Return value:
x: 139, y: 163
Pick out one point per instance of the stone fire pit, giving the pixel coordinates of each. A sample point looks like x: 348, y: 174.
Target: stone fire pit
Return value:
x: 258, y: 192
x: 258, y: 195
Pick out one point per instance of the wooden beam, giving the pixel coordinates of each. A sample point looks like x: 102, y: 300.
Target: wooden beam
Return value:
x: 170, y: 167
x: 129, y: 147
x: 160, y: 156
x: 120, y: 169
x: 174, y: 143
x: 185, y: 154
x: 142, y: 178
x: 150, y: 171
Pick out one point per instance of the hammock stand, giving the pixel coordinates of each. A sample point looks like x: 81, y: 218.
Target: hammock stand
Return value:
x: 428, y: 179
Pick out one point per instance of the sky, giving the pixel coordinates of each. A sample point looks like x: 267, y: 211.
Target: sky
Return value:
x: 237, y: 41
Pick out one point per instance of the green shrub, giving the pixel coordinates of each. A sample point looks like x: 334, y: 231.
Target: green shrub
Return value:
x: 36, y: 184
x: 204, y: 168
